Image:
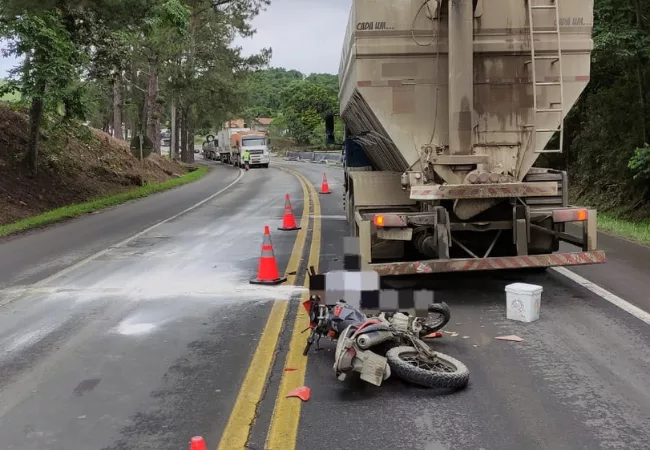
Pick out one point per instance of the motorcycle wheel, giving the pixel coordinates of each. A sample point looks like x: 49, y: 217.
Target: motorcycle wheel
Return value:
x: 446, y: 372
x: 439, y: 316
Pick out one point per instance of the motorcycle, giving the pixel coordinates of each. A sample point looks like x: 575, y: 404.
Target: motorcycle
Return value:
x: 379, y: 346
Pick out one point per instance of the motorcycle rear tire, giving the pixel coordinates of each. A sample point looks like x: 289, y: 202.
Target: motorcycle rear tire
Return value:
x: 457, y: 378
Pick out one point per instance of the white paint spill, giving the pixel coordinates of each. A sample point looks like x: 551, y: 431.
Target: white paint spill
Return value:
x: 136, y: 329
x: 161, y: 283
x: 19, y: 341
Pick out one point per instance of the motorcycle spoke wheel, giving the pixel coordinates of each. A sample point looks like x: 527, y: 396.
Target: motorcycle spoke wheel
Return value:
x: 441, y: 372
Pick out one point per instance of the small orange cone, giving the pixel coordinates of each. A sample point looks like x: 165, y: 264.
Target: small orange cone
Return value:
x: 288, y: 220
x: 267, y: 271
x: 197, y: 443
x: 325, y: 188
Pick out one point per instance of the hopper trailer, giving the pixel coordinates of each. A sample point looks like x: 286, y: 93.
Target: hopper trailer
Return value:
x: 447, y: 106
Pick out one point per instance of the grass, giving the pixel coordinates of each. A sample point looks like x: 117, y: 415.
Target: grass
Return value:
x: 69, y: 212
x: 637, y: 231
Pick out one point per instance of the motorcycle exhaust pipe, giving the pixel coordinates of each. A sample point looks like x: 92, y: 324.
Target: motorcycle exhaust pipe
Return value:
x: 368, y: 340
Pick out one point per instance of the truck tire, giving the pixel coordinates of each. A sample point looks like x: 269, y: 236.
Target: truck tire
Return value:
x: 404, y: 363
x: 266, y: 166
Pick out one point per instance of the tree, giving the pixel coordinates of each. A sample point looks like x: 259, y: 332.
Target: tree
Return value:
x: 51, y: 63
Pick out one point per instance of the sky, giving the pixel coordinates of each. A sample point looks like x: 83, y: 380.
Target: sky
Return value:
x: 305, y: 35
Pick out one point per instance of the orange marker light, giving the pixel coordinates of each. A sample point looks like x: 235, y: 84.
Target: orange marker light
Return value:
x: 379, y: 220
x: 582, y: 215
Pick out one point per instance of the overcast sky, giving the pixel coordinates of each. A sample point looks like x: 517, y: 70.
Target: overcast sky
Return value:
x: 305, y: 35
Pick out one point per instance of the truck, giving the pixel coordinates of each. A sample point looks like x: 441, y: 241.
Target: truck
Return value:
x: 447, y: 106
x: 225, y: 138
x: 256, y: 142
x: 210, y: 147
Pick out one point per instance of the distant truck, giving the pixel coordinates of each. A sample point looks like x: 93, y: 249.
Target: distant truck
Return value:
x: 256, y: 142
x: 210, y: 148
x: 225, y: 138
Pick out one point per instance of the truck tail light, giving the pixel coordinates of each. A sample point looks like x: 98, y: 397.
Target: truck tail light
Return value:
x: 390, y: 220
x: 570, y: 215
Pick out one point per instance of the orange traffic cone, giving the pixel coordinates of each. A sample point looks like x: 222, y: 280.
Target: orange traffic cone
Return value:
x: 197, y: 443
x: 267, y: 271
x: 288, y: 220
x: 325, y: 188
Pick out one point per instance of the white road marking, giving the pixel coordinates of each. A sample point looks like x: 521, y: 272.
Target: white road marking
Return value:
x: 85, y: 261
x: 605, y: 294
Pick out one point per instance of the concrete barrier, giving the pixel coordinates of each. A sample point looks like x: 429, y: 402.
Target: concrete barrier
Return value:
x: 316, y: 157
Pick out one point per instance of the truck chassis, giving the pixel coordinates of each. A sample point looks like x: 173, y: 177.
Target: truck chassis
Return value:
x: 399, y: 236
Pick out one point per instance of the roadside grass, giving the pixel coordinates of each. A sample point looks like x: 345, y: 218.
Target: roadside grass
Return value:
x: 69, y: 212
x: 638, y: 231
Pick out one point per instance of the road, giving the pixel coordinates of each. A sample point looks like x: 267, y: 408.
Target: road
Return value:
x: 136, y: 328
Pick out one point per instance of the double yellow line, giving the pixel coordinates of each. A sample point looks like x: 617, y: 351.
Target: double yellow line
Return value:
x: 283, y: 429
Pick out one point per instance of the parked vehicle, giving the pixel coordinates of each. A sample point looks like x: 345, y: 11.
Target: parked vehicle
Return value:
x: 439, y: 172
x: 225, y: 149
x: 256, y: 142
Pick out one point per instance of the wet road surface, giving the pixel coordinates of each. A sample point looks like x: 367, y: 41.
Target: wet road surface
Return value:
x: 149, y: 343
x: 145, y: 345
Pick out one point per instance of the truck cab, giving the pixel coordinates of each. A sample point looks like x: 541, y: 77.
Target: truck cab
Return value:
x: 257, y: 145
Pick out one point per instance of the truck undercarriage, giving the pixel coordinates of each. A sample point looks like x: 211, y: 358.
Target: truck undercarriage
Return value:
x: 399, y: 236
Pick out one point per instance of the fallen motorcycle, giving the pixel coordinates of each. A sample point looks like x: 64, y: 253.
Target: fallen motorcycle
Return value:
x: 376, y: 347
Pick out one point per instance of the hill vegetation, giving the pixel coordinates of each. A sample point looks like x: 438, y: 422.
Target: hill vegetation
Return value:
x: 120, y: 64
x: 297, y: 103
x: 77, y: 164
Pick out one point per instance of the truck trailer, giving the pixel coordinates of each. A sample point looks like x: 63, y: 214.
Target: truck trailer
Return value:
x: 447, y: 106
x: 225, y: 139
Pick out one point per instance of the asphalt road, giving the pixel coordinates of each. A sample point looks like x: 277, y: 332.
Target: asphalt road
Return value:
x: 154, y: 339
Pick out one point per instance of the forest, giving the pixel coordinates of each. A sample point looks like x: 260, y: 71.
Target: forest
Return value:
x: 296, y: 102
x: 120, y: 64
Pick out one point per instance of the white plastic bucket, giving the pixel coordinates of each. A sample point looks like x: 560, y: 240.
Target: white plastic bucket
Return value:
x: 523, y: 302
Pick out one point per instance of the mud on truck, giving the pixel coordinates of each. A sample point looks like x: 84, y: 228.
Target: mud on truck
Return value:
x: 447, y: 106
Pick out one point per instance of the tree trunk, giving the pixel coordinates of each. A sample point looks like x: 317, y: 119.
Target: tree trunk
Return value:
x: 184, y: 135
x: 150, y: 112
x: 190, y: 134
x: 640, y: 73
x: 35, y: 119
x: 157, y: 142
x: 117, y: 104
x: 179, y: 114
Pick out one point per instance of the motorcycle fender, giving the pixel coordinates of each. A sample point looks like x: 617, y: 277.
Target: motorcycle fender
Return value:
x: 374, y: 368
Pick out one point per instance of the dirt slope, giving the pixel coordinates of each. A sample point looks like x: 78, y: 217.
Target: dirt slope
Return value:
x: 76, y: 164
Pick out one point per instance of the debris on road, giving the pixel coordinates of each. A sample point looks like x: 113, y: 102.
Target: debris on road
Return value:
x: 511, y: 338
x: 523, y: 302
x: 435, y: 334
x: 290, y: 369
x: 303, y: 393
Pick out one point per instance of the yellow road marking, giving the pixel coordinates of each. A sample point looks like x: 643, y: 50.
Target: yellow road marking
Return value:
x: 283, y: 430
x: 242, y: 417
